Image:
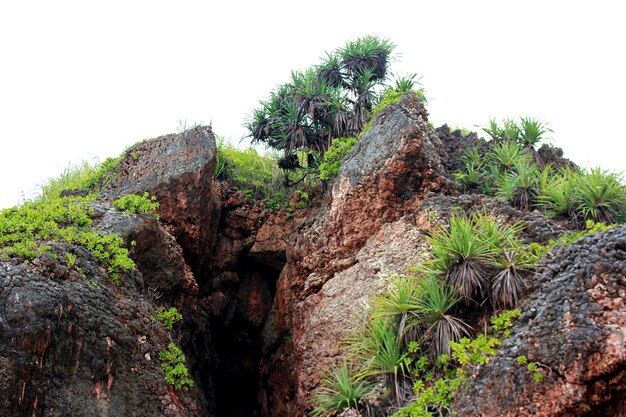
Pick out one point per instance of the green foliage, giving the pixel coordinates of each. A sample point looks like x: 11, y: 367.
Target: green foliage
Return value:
x: 256, y: 175
x: 595, y: 195
x: 567, y: 239
x: 600, y: 196
x: 25, y: 229
x: 334, y: 156
x: 532, y: 367
x: 174, y: 368
x: 509, y: 171
x: 461, y: 256
x: 70, y: 259
x: 139, y: 204
x: 434, y: 395
x: 440, y: 327
x: 340, y: 389
x: 529, y: 132
x: 84, y: 176
x: 330, y: 100
x: 168, y: 317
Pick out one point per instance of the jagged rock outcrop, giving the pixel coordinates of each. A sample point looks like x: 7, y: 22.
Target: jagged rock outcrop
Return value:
x: 177, y: 169
x: 574, y: 327
x: 267, y: 298
x: 75, y: 345
x: 341, y: 255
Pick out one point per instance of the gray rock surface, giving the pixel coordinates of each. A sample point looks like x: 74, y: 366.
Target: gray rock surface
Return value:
x: 574, y: 327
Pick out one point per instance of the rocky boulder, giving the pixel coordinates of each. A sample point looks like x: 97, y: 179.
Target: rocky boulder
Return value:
x: 73, y: 344
x: 178, y: 170
x: 342, y: 254
x: 574, y: 328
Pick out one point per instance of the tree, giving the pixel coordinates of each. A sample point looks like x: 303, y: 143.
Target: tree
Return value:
x: 330, y: 100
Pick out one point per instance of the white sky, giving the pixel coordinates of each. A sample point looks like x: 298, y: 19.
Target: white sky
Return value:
x: 81, y: 80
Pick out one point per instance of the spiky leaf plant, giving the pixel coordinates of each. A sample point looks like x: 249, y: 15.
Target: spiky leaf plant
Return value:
x: 558, y: 195
x: 507, y: 154
x: 340, y: 389
x: 376, y: 344
x: 461, y: 257
x: 601, y: 196
x: 511, y: 131
x: 402, y: 303
x: 493, y: 129
x: 441, y: 327
x: 519, y: 185
x: 508, y: 285
x: 532, y: 132
x: 473, y: 176
x: 406, y: 83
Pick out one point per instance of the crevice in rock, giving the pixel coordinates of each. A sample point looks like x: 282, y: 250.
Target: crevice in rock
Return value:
x: 237, y: 322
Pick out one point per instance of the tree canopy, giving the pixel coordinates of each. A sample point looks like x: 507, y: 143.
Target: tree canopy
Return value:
x: 330, y: 100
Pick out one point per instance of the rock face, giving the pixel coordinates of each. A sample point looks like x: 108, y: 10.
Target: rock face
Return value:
x: 367, y: 230
x: 75, y: 345
x: 178, y: 170
x: 574, y: 327
x: 267, y: 298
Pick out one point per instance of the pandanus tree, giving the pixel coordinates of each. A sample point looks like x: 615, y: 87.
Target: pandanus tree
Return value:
x: 328, y: 101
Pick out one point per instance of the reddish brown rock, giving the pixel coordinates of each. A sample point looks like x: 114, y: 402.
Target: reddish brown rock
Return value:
x: 178, y: 170
x: 364, y: 231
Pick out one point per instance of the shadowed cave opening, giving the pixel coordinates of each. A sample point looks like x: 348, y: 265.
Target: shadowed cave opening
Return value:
x: 237, y: 319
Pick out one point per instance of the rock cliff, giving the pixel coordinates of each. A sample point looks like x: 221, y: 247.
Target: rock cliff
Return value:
x: 267, y: 297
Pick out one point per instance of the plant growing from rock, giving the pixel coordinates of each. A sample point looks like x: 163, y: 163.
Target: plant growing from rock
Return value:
x: 137, y: 204
x: 440, y: 326
x: 461, y: 257
x: 168, y: 317
x: 600, y: 196
x: 334, y: 155
x: 340, y: 389
x: 25, y: 230
x: 174, y: 368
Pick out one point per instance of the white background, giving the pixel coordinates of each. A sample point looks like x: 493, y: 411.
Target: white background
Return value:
x: 81, y: 80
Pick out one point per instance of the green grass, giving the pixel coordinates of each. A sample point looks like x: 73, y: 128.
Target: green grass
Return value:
x: 340, y: 389
x: 84, y: 176
x: 258, y: 176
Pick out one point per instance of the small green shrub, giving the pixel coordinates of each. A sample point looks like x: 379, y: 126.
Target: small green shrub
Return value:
x: 168, y: 317
x: 137, y: 204
x: 25, y: 229
x: 435, y: 391
x: 174, y: 368
x: 334, y: 156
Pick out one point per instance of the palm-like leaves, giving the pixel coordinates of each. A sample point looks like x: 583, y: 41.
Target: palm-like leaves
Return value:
x: 328, y: 101
x: 461, y: 256
x: 339, y: 389
x: 532, y: 131
x: 508, y: 285
x: 600, y: 196
x: 441, y: 326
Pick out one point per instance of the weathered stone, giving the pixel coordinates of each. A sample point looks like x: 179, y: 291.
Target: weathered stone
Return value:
x: 574, y: 328
x: 73, y: 344
x: 178, y: 170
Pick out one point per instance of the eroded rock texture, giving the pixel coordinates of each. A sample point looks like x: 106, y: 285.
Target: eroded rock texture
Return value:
x: 366, y: 230
x: 75, y: 345
x: 574, y: 327
x: 178, y: 170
